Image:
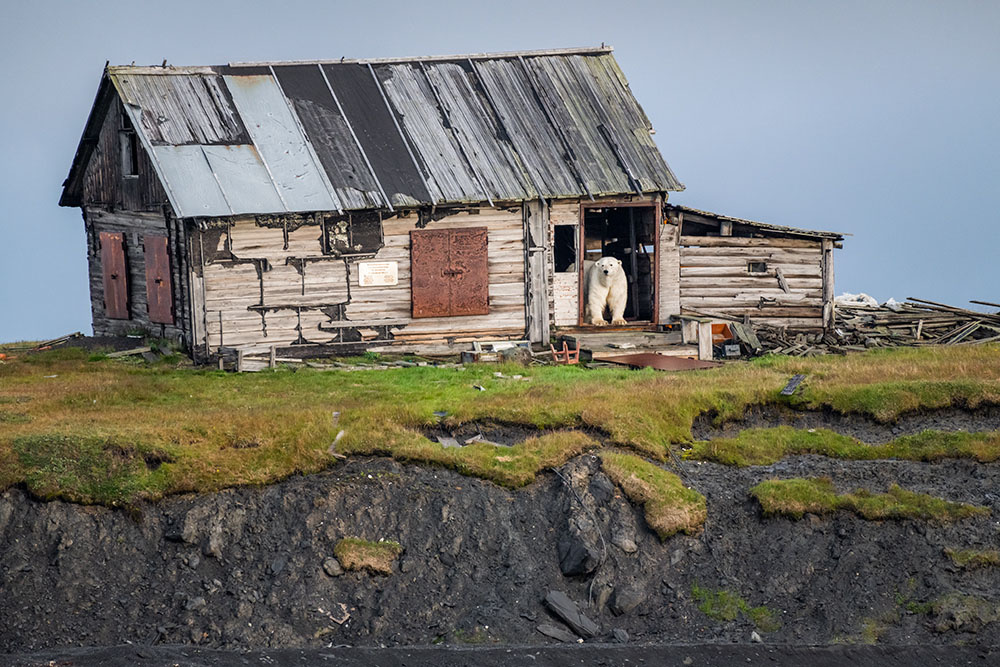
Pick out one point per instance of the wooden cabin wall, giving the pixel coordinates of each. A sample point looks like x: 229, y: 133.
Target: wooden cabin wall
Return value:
x: 714, y: 278
x: 134, y: 226
x: 669, y: 276
x: 105, y: 186
x: 254, y: 288
x: 565, y: 301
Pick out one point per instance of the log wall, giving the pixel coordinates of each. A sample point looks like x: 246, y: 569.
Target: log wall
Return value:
x: 714, y: 278
x: 104, y: 184
x: 262, y: 286
x: 134, y: 226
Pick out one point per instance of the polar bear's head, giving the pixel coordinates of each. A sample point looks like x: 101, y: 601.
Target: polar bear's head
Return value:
x: 609, y: 266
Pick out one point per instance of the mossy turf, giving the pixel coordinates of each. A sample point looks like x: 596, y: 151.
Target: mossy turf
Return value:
x: 67, y: 420
x: 725, y: 605
x: 670, y: 507
x: 354, y: 553
x: 971, y: 559
x: 764, y: 446
x: 795, y: 497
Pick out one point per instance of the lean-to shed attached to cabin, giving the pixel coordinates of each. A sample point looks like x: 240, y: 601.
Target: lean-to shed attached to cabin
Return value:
x: 375, y: 203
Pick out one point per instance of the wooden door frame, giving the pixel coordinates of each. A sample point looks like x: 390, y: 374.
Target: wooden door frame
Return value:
x: 657, y: 207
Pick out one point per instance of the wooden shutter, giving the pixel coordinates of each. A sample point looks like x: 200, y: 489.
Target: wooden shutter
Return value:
x: 428, y: 263
x: 115, y: 275
x: 449, y: 272
x: 469, y: 288
x: 159, y: 298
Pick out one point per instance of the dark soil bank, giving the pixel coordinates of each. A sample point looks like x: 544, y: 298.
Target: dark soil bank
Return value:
x: 705, y: 655
x: 250, y: 568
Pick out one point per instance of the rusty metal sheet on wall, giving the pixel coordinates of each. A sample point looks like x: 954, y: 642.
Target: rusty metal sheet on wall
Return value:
x: 115, y: 275
x: 429, y: 260
x: 468, y: 272
x: 159, y: 296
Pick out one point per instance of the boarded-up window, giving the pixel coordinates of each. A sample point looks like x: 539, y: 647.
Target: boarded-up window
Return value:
x: 449, y: 272
x: 115, y: 276
x: 158, y: 294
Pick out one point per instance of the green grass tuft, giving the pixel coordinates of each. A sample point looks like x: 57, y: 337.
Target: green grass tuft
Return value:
x: 971, y: 559
x: 670, y: 507
x: 764, y: 446
x: 794, y: 497
x: 376, y: 557
x: 724, y: 605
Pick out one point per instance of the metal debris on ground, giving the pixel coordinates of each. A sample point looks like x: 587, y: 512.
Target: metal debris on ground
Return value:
x: 792, y: 385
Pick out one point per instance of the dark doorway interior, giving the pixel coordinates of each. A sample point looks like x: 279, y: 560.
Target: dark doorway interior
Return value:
x: 629, y: 234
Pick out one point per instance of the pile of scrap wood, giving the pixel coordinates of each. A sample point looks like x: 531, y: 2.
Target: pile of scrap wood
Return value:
x: 915, y: 322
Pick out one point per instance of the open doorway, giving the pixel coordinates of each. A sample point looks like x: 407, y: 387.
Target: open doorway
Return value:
x: 629, y: 234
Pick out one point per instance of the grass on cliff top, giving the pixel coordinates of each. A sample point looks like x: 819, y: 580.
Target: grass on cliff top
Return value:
x: 354, y: 553
x: 764, y: 446
x: 670, y: 507
x: 794, y: 497
x: 104, y: 431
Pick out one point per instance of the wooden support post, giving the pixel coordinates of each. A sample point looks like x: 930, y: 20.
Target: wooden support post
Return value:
x: 689, y: 332
x: 239, y: 361
x: 271, y: 358
x: 725, y: 228
x: 705, y: 341
x: 828, y: 284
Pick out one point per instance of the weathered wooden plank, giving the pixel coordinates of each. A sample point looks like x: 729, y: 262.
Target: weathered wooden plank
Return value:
x: 739, y: 270
x: 741, y: 242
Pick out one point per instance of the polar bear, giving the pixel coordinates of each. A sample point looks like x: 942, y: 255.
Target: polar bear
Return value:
x: 605, y: 287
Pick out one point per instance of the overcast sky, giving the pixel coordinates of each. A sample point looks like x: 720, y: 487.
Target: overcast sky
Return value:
x: 877, y: 119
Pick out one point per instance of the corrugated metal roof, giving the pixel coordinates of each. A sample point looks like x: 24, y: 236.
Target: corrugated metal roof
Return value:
x: 349, y: 135
x: 760, y: 225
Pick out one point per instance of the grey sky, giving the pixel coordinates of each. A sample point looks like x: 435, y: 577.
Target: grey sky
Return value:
x: 878, y: 119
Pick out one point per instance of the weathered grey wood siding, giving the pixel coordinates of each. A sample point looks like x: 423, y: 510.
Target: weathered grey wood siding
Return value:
x: 134, y: 226
x: 104, y: 184
x: 715, y: 278
x: 265, y: 285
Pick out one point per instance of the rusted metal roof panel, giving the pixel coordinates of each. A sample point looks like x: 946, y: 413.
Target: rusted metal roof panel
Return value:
x: 294, y: 168
x: 182, y: 109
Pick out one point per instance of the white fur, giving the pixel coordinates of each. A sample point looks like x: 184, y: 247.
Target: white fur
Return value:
x: 605, y: 287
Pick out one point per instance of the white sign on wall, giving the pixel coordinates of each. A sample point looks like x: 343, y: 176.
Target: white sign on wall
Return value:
x: 375, y: 274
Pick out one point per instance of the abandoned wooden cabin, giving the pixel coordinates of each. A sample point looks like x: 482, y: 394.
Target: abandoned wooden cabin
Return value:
x: 404, y: 203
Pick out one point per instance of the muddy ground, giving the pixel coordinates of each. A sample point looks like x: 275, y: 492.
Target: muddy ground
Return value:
x: 250, y: 568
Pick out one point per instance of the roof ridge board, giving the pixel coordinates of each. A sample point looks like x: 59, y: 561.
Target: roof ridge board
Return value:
x: 574, y: 51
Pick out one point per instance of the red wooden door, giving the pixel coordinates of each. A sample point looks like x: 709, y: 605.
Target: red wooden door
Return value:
x: 449, y: 272
x: 159, y: 299
x: 115, y: 275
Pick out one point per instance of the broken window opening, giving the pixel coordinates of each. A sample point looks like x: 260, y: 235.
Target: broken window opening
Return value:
x: 129, y: 144
x: 564, y: 248
x: 756, y: 267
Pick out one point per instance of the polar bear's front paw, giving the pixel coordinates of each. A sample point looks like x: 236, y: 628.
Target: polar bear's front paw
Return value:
x: 618, y: 323
x: 598, y: 323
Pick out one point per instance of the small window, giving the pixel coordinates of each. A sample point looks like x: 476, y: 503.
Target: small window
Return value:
x: 756, y: 267
x: 564, y: 249
x: 129, y: 148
